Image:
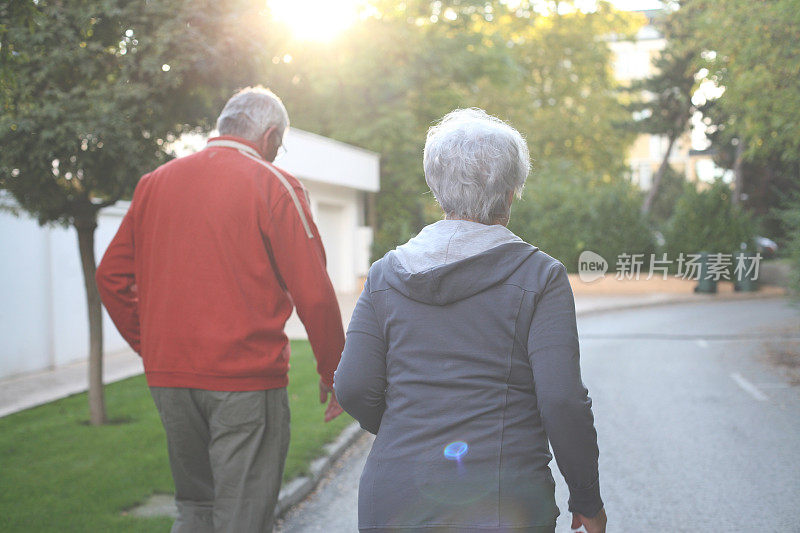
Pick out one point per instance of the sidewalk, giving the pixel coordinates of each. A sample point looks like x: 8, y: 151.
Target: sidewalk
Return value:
x: 29, y: 390
x: 609, y: 293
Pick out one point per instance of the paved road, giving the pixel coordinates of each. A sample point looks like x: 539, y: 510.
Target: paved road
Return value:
x: 698, y: 431
x: 332, y: 508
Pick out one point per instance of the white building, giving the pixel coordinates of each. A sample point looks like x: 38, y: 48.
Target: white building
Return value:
x: 43, y: 322
x: 339, y: 178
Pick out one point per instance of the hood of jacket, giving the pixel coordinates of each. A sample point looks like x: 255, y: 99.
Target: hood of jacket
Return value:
x: 454, y: 259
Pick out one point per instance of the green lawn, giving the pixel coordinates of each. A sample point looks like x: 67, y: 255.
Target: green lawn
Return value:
x: 57, y: 473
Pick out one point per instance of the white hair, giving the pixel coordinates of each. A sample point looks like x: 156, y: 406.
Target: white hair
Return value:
x: 473, y: 162
x: 251, y: 112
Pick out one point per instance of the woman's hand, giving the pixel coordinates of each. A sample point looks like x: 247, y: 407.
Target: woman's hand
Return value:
x: 596, y: 524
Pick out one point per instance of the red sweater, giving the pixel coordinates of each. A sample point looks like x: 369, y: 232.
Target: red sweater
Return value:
x: 206, y: 266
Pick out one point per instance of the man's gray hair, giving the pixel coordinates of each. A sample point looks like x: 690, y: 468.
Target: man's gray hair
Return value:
x: 473, y: 161
x: 251, y: 112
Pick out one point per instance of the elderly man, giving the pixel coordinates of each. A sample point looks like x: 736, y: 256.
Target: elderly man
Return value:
x: 200, y: 279
x: 462, y: 356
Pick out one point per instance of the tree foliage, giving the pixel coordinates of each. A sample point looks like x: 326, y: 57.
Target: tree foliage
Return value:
x: 101, y: 86
x: 383, y: 84
x: 750, y: 49
x: 670, y: 191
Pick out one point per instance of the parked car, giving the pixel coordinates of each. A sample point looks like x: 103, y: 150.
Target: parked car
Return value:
x: 766, y: 247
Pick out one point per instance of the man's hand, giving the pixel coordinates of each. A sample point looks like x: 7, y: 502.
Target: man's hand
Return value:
x: 334, y: 409
x: 596, y: 524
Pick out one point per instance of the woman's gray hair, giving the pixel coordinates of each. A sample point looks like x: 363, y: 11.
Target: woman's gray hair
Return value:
x: 251, y: 112
x: 473, y: 161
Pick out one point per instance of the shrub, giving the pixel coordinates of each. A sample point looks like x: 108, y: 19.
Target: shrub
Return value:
x: 790, y: 220
x: 670, y: 191
x: 565, y: 212
x: 707, y: 220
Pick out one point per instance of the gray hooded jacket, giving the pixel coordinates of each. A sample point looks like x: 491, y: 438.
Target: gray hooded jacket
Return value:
x: 462, y: 356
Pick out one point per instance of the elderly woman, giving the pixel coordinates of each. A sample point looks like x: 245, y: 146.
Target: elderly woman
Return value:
x: 462, y: 357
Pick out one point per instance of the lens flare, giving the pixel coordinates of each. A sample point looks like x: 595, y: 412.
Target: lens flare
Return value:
x: 316, y: 20
x: 455, y: 450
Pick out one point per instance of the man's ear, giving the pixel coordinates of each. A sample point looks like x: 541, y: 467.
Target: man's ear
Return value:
x: 267, y: 146
x: 265, y: 143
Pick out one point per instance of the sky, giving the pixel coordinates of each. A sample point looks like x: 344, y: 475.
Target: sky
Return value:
x: 630, y: 5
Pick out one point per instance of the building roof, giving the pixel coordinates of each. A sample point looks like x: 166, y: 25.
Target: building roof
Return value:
x: 316, y: 158
x: 312, y: 157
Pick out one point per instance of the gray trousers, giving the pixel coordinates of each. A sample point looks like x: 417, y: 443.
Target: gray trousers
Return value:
x: 227, y: 452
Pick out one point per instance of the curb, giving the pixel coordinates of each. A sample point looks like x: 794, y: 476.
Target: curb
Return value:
x: 684, y: 299
x: 300, y: 487
x: 292, y: 492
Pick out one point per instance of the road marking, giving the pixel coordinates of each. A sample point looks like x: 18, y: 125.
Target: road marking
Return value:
x: 748, y: 387
x: 702, y: 343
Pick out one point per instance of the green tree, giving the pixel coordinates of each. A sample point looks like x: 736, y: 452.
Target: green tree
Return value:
x: 12, y: 15
x: 749, y: 50
x: 667, y: 108
x: 99, y: 90
x: 567, y: 102
x: 762, y: 181
x: 707, y: 220
x: 670, y: 191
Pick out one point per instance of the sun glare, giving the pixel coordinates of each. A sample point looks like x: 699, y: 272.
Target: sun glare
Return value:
x: 316, y: 20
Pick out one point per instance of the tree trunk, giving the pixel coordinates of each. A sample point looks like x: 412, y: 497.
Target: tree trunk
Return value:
x: 653, y: 192
x: 97, y: 404
x: 738, y: 178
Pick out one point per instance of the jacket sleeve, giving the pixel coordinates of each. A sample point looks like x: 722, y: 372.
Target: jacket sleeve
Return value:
x: 298, y: 254
x: 360, y: 381
x: 563, y: 400
x: 116, y: 282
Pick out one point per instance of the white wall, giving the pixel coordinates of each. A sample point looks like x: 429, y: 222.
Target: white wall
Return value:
x: 24, y: 281
x: 43, y: 319
x: 335, y: 211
